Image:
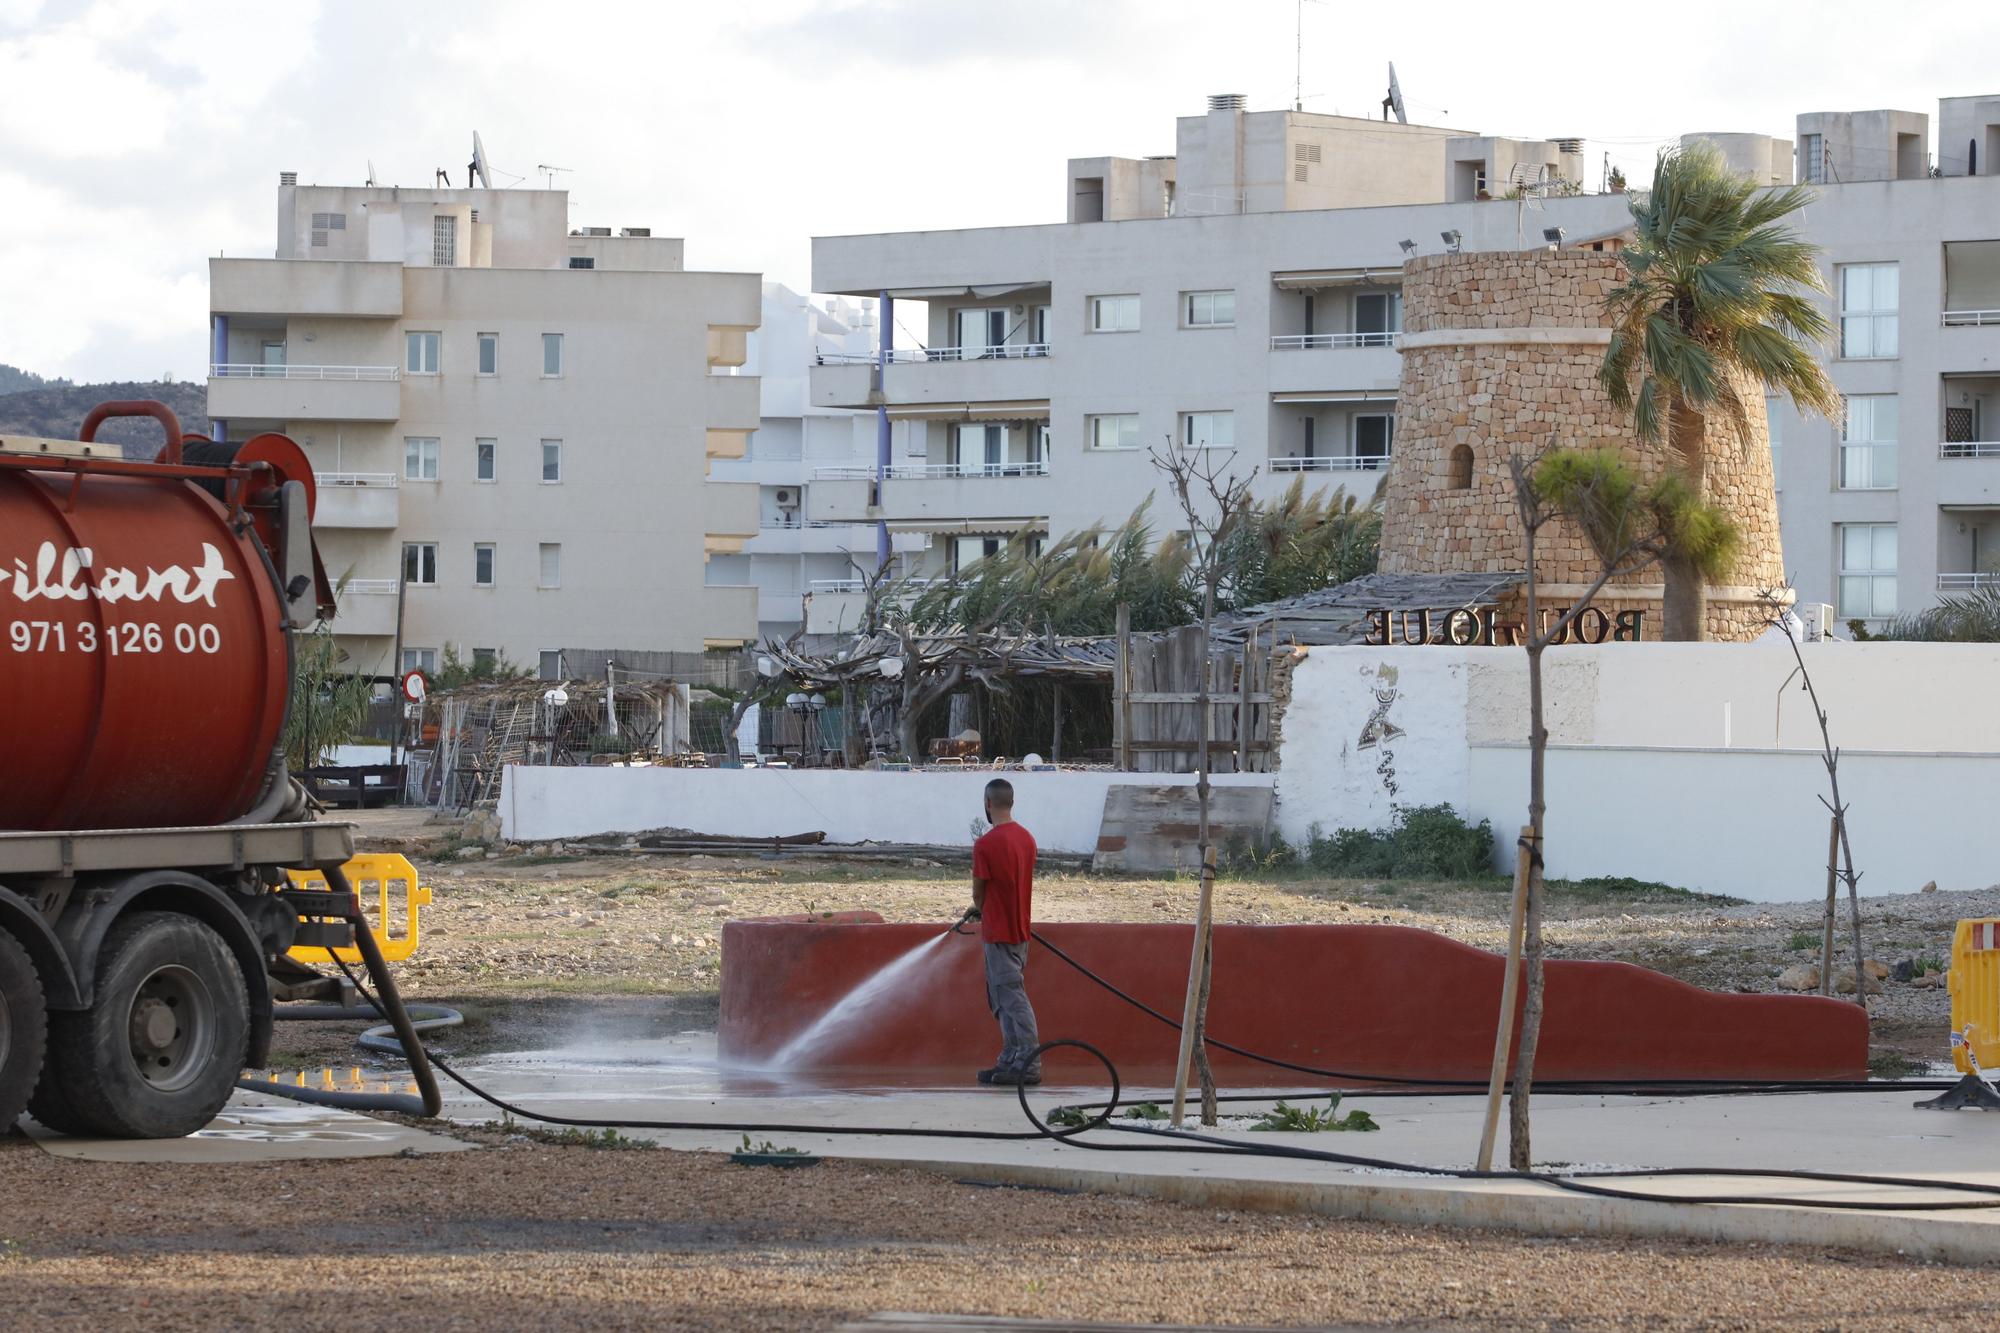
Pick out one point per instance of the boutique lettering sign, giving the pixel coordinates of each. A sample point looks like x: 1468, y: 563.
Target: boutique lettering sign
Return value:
x: 1467, y: 626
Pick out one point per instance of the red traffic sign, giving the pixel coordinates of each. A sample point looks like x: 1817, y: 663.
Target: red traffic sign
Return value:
x: 415, y: 686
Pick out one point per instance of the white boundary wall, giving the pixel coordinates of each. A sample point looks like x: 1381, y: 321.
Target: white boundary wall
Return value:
x: 937, y: 809
x: 1694, y: 764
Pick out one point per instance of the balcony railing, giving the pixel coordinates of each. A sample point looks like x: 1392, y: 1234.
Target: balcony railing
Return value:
x: 930, y: 471
x: 925, y: 355
x: 1296, y: 342
x: 370, y: 587
x: 1329, y: 463
x: 387, y: 479
x: 1970, y: 449
x: 861, y: 585
x: 1964, y: 318
x: 1967, y: 582
x: 258, y: 371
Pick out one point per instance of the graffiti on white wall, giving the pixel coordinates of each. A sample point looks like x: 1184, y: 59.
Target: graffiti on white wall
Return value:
x: 1378, y: 732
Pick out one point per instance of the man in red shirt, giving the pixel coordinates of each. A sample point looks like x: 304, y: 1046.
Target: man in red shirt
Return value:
x: 1003, y: 882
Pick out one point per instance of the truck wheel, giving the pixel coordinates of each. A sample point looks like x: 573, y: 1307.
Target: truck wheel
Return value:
x: 23, y: 1030
x: 159, y: 1053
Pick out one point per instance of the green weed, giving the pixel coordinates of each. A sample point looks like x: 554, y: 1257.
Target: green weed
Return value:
x: 1287, y: 1118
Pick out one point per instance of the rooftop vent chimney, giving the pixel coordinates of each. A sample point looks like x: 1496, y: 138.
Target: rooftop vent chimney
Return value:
x: 288, y: 178
x: 1569, y: 145
x: 1225, y: 101
x: 597, y: 231
x: 635, y: 231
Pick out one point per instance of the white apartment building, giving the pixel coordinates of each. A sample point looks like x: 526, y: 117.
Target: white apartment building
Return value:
x: 1244, y: 294
x: 511, y: 421
x: 807, y: 571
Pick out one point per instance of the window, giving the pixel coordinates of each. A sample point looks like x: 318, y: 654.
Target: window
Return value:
x: 1378, y: 318
x: 551, y: 564
x: 982, y: 332
x: 551, y: 664
x: 1114, y: 431
x: 1114, y: 314
x: 551, y: 460
x: 1868, y: 443
x: 1867, y: 570
x: 1812, y: 159
x: 482, y: 564
x: 1038, y: 446
x: 486, y: 455
x: 1868, y: 300
x: 323, y: 223
x: 489, y: 354
x: 1459, y: 478
x: 420, y: 562
x: 1208, y: 310
x: 444, y: 241
x: 420, y: 353
x: 420, y: 458
x: 552, y: 355
x: 1374, y: 434
x: 1208, y: 430
x: 421, y: 659
x: 485, y: 659
x: 582, y: 261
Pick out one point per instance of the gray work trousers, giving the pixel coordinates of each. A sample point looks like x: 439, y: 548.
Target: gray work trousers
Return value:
x: 1007, y: 996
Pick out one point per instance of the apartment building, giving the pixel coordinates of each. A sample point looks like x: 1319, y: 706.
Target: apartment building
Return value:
x: 808, y: 571
x: 512, y: 421
x: 1244, y: 294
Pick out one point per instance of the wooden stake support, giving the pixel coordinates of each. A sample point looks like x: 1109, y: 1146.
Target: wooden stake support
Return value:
x: 1510, y: 990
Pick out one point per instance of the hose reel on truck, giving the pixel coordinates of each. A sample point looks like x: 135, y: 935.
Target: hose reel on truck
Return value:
x: 146, y: 618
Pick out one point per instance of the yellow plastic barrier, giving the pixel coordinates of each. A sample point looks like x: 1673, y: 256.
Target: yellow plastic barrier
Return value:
x: 390, y: 898
x: 1974, y: 984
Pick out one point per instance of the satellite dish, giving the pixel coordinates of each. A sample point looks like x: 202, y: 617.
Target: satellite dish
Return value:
x: 479, y: 172
x: 1394, y: 101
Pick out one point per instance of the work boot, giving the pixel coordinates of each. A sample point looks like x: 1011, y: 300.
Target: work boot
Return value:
x: 988, y: 1077
x: 1009, y: 1078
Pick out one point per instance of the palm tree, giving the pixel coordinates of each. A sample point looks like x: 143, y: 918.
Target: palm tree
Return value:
x: 1720, y: 298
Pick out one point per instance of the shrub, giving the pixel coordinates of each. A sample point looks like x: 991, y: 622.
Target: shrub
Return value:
x: 1423, y: 842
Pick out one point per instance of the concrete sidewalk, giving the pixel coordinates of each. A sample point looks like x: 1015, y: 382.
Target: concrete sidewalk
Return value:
x: 1868, y: 1133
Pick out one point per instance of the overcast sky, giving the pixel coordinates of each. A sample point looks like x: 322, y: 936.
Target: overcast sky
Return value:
x: 140, y: 137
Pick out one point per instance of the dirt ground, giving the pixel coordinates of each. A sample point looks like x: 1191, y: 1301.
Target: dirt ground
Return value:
x: 514, y: 938
x: 530, y: 1236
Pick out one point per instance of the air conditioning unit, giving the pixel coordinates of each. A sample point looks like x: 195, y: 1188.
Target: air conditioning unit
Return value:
x: 1817, y: 620
x: 787, y: 498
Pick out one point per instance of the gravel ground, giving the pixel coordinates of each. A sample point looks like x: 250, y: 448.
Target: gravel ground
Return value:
x: 516, y: 935
x: 529, y: 1236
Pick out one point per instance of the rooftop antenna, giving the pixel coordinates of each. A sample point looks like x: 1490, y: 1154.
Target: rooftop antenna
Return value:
x: 1394, y: 101
x: 476, y: 170
x: 371, y: 171
x: 550, y: 172
x: 1529, y: 184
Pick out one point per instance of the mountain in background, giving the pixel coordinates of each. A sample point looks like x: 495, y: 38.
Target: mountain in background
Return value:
x: 54, y: 409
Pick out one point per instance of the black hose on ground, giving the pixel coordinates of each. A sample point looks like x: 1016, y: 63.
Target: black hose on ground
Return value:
x: 1194, y: 1143
x: 380, y: 1038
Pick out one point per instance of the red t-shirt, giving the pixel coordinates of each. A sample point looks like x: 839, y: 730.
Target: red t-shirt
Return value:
x: 1005, y: 858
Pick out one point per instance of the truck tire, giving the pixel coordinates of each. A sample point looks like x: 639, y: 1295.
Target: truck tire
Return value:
x: 159, y: 1053
x: 23, y: 1030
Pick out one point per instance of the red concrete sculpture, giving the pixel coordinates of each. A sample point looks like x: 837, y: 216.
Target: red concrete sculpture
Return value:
x: 1375, y: 1000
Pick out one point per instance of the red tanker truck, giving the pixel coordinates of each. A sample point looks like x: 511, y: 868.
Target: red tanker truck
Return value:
x: 147, y: 615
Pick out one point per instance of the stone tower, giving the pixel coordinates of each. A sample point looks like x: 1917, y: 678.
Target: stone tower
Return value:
x: 1500, y: 355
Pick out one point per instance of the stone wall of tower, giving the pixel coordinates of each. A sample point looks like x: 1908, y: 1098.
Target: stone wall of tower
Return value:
x: 1500, y: 356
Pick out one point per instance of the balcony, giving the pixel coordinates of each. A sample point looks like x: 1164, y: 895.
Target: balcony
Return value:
x: 935, y: 494
x: 820, y: 537
x: 1340, y: 463
x: 1350, y: 363
x: 366, y: 607
x: 1967, y: 582
x: 935, y: 376
x: 734, y: 403
x: 252, y: 392
x: 728, y: 615
x: 356, y: 500
x: 1309, y: 342
x: 334, y: 288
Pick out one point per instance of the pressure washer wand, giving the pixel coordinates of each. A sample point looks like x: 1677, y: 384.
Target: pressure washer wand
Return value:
x: 971, y: 915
